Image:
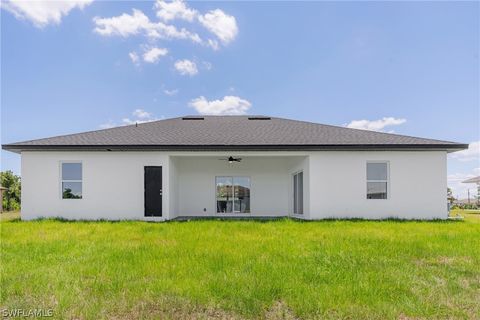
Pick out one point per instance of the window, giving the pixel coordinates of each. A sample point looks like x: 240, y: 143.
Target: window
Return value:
x: 71, y: 180
x: 298, y: 193
x: 233, y: 194
x: 377, y: 180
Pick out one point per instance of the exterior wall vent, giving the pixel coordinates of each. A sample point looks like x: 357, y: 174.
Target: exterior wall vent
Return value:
x: 193, y: 118
x: 259, y: 118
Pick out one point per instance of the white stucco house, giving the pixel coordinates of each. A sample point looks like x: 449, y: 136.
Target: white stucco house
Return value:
x: 233, y: 166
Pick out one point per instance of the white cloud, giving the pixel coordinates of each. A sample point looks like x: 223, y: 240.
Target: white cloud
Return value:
x: 229, y: 105
x: 470, y: 154
x: 41, y: 13
x: 152, y: 55
x: 170, y: 92
x: 207, y: 65
x: 224, y: 26
x: 139, y: 116
x: 213, y: 44
x: 186, y: 67
x: 459, y: 177
x: 107, y: 125
x: 138, y: 23
x: 176, y: 9
x: 128, y: 121
x: 375, y: 125
x: 123, y: 25
x: 216, y: 21
x: 134, y: 57
x: 142, y: 114
x: 164, y: 31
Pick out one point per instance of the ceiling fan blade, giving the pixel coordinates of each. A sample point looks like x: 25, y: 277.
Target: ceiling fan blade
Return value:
x: 231, y: 159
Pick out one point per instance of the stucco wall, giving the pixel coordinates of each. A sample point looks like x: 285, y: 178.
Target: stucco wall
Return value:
x: 418, y: 185
x: 334, y: 184
x: 113, y: 186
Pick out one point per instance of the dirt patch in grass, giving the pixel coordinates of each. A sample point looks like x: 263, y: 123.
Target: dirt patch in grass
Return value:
x: 405, y: 317
x: 173, y: 308
x: 443, y: 261
x: 10, y: 216
x: 453, y: 260
x: 280, y: 311
x: 176, y: 308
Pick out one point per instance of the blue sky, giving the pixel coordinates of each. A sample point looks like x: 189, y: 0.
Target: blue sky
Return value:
x: 408, y: 67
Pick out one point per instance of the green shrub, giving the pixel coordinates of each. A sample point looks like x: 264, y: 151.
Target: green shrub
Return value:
x: 466, y: 206
x: 11, y: 196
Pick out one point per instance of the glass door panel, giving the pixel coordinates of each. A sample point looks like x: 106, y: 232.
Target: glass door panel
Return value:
x: 295, y: 196
x: 241, y: 196
x: 224, y: 194
x: 298, y: 193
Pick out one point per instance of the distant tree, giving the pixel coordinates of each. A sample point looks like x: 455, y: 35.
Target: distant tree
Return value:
x: 11, y: 196
x: 450, y: 196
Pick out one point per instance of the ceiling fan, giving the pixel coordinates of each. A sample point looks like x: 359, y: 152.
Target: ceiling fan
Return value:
x: 231, y: 159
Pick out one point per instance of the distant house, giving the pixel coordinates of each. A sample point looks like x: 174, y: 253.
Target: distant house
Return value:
x: 233, y: 166
x: 475, y: 180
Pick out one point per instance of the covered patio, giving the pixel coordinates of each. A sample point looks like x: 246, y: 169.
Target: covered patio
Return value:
x: 249, y: 186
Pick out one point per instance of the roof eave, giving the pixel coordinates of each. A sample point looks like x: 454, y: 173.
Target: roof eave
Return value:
x: 17, y: 148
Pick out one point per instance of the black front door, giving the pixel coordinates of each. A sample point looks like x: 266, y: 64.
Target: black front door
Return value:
x: 153, y: 191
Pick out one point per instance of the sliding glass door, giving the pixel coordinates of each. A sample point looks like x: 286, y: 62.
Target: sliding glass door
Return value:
x: 233, y: 194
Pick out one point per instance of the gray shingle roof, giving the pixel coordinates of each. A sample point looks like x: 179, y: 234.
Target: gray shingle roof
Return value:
x: 231, y: 133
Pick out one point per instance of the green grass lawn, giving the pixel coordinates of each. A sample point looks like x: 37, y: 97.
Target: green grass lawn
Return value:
x: 243, y: 269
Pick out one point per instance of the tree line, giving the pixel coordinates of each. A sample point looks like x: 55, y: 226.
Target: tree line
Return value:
x: 11, y: 196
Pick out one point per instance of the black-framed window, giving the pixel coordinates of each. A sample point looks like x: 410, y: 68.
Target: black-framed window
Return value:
x: 71, y: 180
x: 377, y: 180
